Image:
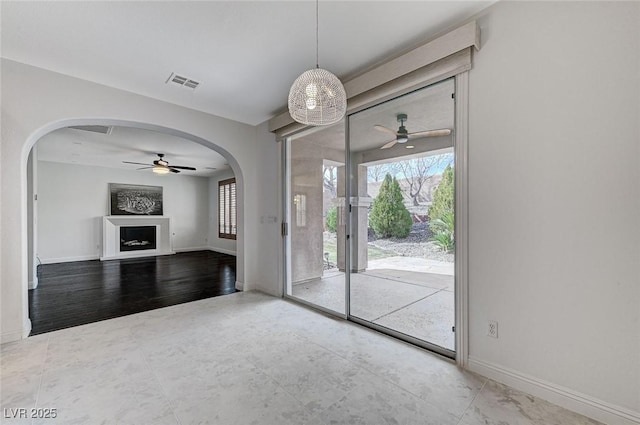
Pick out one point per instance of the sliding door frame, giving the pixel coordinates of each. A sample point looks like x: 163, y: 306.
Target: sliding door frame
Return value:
x: 461, y: 210
x: 461, y: 291
x: 287, y: 284
x: 460, y: 190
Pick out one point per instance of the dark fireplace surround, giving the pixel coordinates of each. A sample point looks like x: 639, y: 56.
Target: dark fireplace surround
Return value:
x: 137, y: 238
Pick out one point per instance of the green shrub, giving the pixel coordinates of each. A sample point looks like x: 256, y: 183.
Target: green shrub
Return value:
x: 443, y: 229
x: 441, y: 212
x: 331, y: 220
x: 443, y: 197
x: 389, y: 217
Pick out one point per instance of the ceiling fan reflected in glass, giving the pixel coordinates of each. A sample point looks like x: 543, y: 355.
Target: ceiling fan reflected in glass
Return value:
x: 403, y: 136
x: 161, y: 166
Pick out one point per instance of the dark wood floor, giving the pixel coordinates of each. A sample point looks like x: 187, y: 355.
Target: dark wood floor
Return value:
x: 72, y: 294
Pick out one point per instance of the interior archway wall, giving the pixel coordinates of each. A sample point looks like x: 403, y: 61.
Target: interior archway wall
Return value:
x: 46, y: 255
x: 36, y: 102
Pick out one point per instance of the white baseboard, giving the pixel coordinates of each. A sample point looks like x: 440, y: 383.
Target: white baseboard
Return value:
x: 97, y: 257
x: 69, y: 259
x: 581, y: 403
x: 221, y: 250
x: 10, y: 336
x: 16, y: 335
x: 138, y: 254
x: 269, y: 290
x: 240, y: 286
x: 33, y: 284
x: 199, y: 248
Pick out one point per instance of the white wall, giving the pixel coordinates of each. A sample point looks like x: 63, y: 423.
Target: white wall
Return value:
x: 554, y: 198
x: 36, y: 101
x: 72, y: 199
x: 554, y: 191
x: 269, y: 255
x: 226, y: 246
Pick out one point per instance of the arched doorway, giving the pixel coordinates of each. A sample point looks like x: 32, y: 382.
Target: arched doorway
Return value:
x: 158, y: 131
x: 37, y: 101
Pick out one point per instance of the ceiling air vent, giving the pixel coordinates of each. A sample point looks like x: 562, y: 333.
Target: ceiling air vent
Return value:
x: 102, y: 129
x: 182, y: 81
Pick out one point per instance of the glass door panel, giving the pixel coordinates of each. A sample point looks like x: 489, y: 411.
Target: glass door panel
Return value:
x: 315, y: 206
x: 402, y: 199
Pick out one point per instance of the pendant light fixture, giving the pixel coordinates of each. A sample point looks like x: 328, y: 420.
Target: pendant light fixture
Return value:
x: 317, y: 97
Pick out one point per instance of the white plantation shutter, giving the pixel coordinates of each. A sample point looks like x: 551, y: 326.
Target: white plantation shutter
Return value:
x: 227, y: 210
x: 220, y: 208
x: 232, y: 208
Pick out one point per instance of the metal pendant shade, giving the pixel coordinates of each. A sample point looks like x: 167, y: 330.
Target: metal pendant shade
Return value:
x: 317, y: 97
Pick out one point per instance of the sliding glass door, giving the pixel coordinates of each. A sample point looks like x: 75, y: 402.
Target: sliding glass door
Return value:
x: 402, y: 197
x: 317, y: 226
x: 370, y: 211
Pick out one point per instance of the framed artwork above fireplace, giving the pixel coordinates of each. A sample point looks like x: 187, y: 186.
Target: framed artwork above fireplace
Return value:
x: 132, y: 199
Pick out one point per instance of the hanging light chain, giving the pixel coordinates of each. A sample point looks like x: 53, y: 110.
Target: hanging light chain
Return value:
x: 317, y: 35
x: 317, y: 97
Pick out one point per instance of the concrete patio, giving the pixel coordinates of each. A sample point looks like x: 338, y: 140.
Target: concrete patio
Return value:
x: 414, y: 296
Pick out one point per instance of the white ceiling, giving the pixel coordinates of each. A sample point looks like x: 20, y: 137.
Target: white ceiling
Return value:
x: 245, y: 55
x: 80, y: 147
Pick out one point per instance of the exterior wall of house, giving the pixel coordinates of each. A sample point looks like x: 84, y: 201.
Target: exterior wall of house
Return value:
x: 306, y: 224
x: 72, y: 199
x: 554, y: 199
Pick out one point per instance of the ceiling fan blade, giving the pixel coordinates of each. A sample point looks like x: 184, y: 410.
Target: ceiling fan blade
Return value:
x: 173, y: 170
x: 384, y: 129
x: 182, y: 167
x: 430, y: 133
x: 136, y: 163
x: 390, y: 144
x: 144, y: 168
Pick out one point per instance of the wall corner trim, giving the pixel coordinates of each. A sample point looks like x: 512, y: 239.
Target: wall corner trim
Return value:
x: 569, y: 399
x: 33, y: 284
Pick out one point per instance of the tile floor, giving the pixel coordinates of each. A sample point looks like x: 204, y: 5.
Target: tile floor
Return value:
x: 244, y: 359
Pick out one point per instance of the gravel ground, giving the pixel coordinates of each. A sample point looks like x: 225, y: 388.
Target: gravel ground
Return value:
x: 417, y: 244
x: 423, y: 249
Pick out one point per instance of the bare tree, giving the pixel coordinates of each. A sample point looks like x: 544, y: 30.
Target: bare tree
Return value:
x: 330, y: 179
x: 417, y: 171
x: 376, y: 173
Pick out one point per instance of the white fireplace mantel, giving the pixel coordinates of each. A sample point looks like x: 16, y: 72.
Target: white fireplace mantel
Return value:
x: 111, y: 235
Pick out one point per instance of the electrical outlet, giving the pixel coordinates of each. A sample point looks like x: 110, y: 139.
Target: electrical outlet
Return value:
x: 492, y: 329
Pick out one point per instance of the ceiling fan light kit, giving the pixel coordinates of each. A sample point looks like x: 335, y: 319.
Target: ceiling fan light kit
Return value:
x: 403, y: 136
x: 159, y: 169
x: 161, y: 166
x: 317, y: 97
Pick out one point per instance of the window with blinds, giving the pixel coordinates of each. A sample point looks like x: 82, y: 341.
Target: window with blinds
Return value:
x: 227, y: 227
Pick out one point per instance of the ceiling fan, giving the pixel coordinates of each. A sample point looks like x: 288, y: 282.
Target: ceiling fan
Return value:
x: 403, y: 136
x: 161, y: 166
